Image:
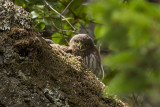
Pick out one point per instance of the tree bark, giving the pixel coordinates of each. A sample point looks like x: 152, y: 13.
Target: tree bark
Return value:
x: 34, y: 74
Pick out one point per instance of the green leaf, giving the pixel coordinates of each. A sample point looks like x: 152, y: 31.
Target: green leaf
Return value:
x: 34, y: 14
x: 40, y: 26
x: 20, y: 3
x: 56, y: 38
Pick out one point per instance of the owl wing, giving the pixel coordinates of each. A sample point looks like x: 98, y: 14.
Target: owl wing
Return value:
x: 57, y: 46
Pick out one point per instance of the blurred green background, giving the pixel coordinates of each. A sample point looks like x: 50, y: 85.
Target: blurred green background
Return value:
x: 129, y: 28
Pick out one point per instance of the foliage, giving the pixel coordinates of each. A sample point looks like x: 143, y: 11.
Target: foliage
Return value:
x: 73, y: 10
x: 132, y: 32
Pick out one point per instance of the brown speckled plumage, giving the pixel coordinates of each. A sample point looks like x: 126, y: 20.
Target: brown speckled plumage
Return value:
x: 88, y: 51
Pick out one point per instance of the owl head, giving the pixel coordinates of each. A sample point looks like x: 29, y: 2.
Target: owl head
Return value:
x: 81, y: 42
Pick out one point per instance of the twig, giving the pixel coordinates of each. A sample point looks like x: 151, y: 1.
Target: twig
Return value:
x: 59, y: 14
x: 61, y: 29
x: 67, y: 6
x: 62, y: 32
x: 135, y: 98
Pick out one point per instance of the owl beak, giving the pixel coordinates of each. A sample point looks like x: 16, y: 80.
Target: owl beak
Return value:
x: 80, y: 46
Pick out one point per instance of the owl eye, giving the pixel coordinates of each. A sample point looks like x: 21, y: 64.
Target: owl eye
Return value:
x: 86, y: 45
x: 77, y: 42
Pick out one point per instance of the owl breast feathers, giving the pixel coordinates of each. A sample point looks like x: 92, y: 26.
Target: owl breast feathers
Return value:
x: 83, y: 45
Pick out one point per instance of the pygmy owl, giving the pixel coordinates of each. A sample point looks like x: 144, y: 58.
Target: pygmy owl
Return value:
x: 83, y: 45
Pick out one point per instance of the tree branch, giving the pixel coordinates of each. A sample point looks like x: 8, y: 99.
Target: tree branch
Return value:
x: 59, y: 14
x: 67, y: 6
